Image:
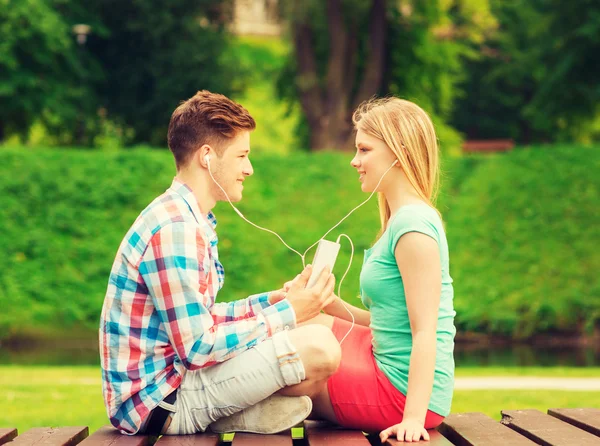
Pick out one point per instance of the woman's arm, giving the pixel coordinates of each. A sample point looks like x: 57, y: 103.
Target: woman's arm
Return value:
x: 418, y: 260
x: 361, y: 316
x: 337, y: 309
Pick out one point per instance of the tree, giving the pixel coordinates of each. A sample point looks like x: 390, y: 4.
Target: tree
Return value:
x: 349, y: 50
x: 39, y: 68
x: 536, y: 78
x: 156, y: 54
x: 569, y: 91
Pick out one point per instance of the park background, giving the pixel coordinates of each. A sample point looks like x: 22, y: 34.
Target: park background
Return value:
x: 86, y: 92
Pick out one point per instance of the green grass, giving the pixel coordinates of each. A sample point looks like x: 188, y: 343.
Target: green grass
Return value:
x: 554, y: 372
x: 72, y: 396
x: 491, y: 402
x: 53, y: 396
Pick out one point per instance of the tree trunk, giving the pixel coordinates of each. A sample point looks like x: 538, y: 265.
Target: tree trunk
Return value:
x: 328, y: 109
x: 328, y: 135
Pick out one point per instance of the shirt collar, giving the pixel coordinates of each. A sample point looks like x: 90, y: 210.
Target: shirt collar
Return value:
x: 208, y: 222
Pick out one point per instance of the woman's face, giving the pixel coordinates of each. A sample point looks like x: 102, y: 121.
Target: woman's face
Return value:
x: 373, y: 158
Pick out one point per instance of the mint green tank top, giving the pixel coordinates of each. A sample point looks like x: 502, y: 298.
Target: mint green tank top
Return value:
x: 382, y: 292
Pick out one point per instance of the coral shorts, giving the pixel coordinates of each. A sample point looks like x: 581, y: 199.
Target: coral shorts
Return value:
x: 361, y: 395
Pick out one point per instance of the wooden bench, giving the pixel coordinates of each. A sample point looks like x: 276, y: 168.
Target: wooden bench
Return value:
x: 560, y: 427
x: 488, y: 145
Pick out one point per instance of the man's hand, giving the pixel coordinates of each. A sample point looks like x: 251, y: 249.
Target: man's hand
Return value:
x: 308, y: 302
x: 409, y: 430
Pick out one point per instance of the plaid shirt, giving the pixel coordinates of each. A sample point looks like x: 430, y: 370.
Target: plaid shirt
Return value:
x: 160, y: 318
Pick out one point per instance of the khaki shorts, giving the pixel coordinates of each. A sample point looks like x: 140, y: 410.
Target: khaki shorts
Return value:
x: 207, y: 394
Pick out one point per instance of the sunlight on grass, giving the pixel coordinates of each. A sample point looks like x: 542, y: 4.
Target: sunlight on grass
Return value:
x: 555, y: 372
x: 491, y: 402
x: 72, y: 396
x: 262, y: 59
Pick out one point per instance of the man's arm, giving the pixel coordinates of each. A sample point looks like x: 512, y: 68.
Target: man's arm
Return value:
x: 240, y: 309
x: 173, y: 270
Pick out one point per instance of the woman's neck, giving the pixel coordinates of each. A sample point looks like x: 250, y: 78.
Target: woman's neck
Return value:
x: 400, y: 194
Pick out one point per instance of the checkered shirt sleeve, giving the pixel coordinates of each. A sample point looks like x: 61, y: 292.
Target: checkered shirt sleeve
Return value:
x: 176, y: 268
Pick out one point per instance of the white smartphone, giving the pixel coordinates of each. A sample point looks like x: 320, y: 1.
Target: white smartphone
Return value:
x: 325, y: 255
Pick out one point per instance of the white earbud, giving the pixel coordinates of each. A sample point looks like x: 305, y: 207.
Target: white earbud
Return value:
x: 207, y: 158
x: 395, y: 163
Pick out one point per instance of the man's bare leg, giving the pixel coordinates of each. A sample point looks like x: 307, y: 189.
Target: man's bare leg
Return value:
x: 316, y: 387
x: 320, y: 353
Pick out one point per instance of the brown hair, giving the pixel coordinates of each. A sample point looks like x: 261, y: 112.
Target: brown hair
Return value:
x: 205, y: 118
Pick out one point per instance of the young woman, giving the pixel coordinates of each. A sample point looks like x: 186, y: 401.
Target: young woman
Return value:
x: 397, y: 370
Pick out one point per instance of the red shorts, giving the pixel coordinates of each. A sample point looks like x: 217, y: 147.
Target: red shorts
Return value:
x: 361, y: 395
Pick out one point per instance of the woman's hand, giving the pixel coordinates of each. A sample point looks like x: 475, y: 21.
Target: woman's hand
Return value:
x: 409, y: 430
x: 277, y: 296
x: 327, y: 310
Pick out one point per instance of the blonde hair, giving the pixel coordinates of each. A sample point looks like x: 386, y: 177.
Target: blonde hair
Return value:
x: 408, y: 131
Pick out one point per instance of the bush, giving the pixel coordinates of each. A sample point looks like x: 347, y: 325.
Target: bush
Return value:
x: 523, y: 234
x: 521, y: 229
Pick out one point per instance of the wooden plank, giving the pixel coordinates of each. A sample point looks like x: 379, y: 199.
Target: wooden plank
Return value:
x: 586, y: 419
x: 321, y: 433
x: 246, y: 439
x: 7, y: 434
x: 547, y: 430
x: 477, y: 429
x: 109, y: 436
x: 435, y: 439
x: 205, y: 439
x: 60, y: 436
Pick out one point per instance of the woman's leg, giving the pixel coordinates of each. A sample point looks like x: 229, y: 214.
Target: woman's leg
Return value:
x: 321, y: 319
x: 322, y: 407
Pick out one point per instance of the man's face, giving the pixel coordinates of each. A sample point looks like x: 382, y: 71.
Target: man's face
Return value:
x: 231, y: 169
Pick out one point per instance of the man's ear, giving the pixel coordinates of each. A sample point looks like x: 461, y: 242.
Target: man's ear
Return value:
x: 202, y: 153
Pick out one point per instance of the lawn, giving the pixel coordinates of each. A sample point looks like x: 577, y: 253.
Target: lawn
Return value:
x: 72, y: 396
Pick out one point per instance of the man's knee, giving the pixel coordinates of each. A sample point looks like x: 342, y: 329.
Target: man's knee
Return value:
x: 319, y: 350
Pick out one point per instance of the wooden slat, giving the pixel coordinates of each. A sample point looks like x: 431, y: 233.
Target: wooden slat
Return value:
x: 477, y: 429
x: 245, y: 439
x: 321, y: 433
x: 547, y: 430
x: 7, y: 435
x: 206, y: 439
x: 109, y: 436
x: 586, y: 419
x: 435, y: 439
x: 61, y: 436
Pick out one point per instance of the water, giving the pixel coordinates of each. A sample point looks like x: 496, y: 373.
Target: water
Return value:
x: 526, y: 356
x: 466, y: 355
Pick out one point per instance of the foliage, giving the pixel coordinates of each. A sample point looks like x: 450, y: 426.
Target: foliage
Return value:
x: 520, y: 228
x: 259, y: 60
x: 41, y: 69
x: 536, y: 78
x: 523, y: 245
x: 140, y: 60
x: 156, y: 54
x: 425, y: 44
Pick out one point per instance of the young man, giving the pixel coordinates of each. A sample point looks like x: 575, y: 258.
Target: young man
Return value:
x: 173, y: 360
